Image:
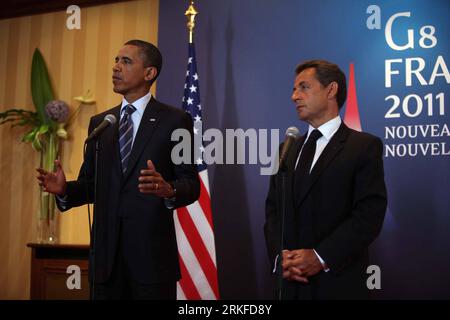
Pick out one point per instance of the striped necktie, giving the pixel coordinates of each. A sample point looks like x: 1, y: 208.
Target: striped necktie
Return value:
x: 126, y: 135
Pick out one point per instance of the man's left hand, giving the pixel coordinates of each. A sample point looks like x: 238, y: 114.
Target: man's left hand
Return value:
x: 304, y: 263
x: 151, y: 182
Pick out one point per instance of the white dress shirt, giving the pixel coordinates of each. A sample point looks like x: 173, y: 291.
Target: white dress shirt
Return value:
x: 328, y: 129
x: 140, y: 105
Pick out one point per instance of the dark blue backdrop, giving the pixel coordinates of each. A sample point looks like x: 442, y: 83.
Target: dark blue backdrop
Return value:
x: 246, y: 54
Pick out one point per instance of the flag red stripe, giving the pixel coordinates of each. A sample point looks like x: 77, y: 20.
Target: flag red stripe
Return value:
x: 186, y: 283
x: 203, y: 271
x: 200, y: 251
x: 205, y: 203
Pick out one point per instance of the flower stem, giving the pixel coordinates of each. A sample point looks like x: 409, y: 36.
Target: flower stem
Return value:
x: 49, y: 152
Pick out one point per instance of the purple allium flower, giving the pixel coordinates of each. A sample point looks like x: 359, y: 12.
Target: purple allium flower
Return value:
x: 57, y: 110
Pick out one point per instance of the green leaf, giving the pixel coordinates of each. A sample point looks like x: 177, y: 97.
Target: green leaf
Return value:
x: 36, y: 143
x: 41, y: 88
x: 43, y: 129
x: 30, y: 135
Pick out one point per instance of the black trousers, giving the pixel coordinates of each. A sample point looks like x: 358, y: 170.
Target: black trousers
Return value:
x: 122, y: 286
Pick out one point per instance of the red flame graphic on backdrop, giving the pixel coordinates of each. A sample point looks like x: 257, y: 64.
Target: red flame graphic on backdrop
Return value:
x: 351, y: 117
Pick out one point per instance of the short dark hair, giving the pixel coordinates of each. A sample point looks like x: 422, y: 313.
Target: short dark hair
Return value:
x: 327, y: 72
x: 150, y: 54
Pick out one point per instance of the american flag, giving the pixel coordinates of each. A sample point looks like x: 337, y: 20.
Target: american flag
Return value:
x: 194, y: 225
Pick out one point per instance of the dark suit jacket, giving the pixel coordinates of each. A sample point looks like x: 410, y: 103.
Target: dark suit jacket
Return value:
x: 148, y: 233
x: 344, y: 203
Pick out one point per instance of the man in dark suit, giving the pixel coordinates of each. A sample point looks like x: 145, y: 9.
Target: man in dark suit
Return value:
x: 135, y: 252
x: 335, y: 196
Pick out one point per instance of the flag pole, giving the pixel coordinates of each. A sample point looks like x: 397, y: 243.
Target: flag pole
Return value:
x: 194, y: 224
x: 191, y: 13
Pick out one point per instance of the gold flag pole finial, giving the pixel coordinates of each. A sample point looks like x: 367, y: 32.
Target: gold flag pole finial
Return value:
x: 191, y: 13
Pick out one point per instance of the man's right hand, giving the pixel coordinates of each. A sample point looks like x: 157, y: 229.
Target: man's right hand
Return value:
x: 289, y: 272
x: 53, y: 182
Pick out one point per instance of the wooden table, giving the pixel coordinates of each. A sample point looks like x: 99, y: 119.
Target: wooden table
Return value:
x: 49, y: 265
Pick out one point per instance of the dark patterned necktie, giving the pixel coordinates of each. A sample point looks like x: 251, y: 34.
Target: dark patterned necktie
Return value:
x: 306, y: 159
x: 304, y: 221
x: 126, y: 135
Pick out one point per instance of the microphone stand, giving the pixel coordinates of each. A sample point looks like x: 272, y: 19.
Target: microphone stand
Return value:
x: 93, y: 231
x: 94, y: 218
x: 282, y: 207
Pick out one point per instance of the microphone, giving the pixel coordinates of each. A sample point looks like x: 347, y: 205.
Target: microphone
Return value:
x: 107, y: 121
x: 292, y: 133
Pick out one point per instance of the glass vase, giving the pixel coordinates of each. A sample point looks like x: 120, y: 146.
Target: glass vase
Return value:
x: 47, y: 218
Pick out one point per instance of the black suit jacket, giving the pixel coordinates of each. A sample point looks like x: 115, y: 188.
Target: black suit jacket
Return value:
x: 148, y: 233
x: 344, y: 203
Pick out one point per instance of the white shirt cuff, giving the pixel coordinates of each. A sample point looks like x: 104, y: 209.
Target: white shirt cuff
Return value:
x: 325, y: 268
x: 169, y: 203
x: 275, y: 264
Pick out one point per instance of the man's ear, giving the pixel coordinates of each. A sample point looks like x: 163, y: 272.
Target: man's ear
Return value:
x: 332, y: 90
x: 150, y: 73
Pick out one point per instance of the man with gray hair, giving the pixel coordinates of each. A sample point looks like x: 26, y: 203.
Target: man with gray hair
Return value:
x: 335, y: 196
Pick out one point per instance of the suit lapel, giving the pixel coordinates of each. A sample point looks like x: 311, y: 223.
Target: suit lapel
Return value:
x: 110, y: 141
x: 149, y: 121
x: 329, y: 153
x: 289, y: 213
x: 292, y: 160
